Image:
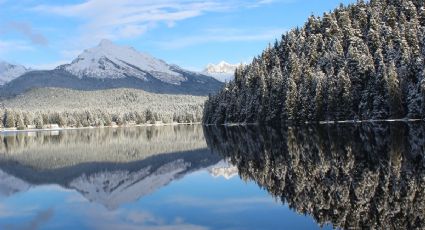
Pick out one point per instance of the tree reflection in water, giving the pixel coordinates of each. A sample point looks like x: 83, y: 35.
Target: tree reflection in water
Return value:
x: 352, y: 176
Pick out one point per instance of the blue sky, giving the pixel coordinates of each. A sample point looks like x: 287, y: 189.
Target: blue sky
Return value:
x: 190, y: 33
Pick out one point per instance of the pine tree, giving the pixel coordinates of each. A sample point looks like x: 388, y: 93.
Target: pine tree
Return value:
x: 1, y: 119
x: 10, y: 121
x: 394, y: 92
x: 20, y: 122
x: 28, y: 119
x: 319, y: 98
x: 423, y: 97
x: 344, y: 107
x: 38, y: 121
x: 291, y: 100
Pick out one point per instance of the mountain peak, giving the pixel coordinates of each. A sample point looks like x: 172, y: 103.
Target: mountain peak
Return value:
x: 222, y: 71
x: 106, y: 42
x: 221, y: 67
x: 109, y: 60
x: 9, y: 71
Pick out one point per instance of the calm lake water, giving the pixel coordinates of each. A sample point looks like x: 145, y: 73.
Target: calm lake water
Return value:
x: 194, y: 177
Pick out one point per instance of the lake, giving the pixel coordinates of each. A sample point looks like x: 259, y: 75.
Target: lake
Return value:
x: 350, y: 176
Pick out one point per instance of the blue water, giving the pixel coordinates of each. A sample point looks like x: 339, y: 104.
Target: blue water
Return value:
x: 194, y: 177
x: 197, y: 201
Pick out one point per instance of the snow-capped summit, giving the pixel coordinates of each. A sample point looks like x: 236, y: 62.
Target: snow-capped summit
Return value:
x: 222, y: 71
x: 108, y: 60
x: 222, y: 67
x: 8, y: 72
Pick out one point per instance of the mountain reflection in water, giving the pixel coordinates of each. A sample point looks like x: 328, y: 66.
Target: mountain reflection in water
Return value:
x: 109, y: 166
x: 363, y: 176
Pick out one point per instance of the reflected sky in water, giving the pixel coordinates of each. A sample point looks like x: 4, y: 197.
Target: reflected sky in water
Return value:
x: 196, y: 202
x: 189, y: 177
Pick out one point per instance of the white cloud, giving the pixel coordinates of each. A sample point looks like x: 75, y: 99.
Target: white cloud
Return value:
x: 129, y: 18
x: 124, y: 19
x: 7, y: 46
x: 223, y: 35
x: 8, y: 212
x: 129, y: 220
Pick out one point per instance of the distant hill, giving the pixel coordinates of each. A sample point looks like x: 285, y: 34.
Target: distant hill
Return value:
x: 362, y: 61
x: 109, y: 66
x: 112, y: 100
x: 74, y: 108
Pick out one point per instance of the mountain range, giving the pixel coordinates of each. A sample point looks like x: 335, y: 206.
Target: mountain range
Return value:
x: 108, y: 66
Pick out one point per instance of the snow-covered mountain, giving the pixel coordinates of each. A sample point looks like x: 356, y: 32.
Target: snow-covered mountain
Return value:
x: 108, y: 60
x: 222, y: 71
x: 115, y: 188
x: 110, y: 66
x: 8, y: 72
x: 110, y: 183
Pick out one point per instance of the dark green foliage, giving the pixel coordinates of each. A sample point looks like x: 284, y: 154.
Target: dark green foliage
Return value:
x: 363, y: 61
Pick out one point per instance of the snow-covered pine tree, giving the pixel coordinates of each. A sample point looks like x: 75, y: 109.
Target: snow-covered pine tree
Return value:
x: 10, y: 121
x: 361, y: 61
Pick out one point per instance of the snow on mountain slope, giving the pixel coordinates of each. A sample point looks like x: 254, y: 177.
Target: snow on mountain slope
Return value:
x: 8, y: 72
x: 115, y: 188
x: 10, y: 185
x: 108, y: 60
x: 224, y: 169
x: 222, y: 67
x: 223, y: 71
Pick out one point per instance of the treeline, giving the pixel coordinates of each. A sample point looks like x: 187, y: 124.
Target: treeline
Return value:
x: 71, y: 108
x: 359, y: 62
x: 369, y: 176
x: 92, y: 118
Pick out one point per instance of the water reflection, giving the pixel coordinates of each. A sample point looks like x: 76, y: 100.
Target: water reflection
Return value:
x: 367, y: 176
x: 345, y: 176
x: 129, y: 178
x: 107, y: 166
x: 49, y: 150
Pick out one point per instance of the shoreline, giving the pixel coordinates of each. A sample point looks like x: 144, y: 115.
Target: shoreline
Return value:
x: 2, y: 131
x: 324, y: 122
